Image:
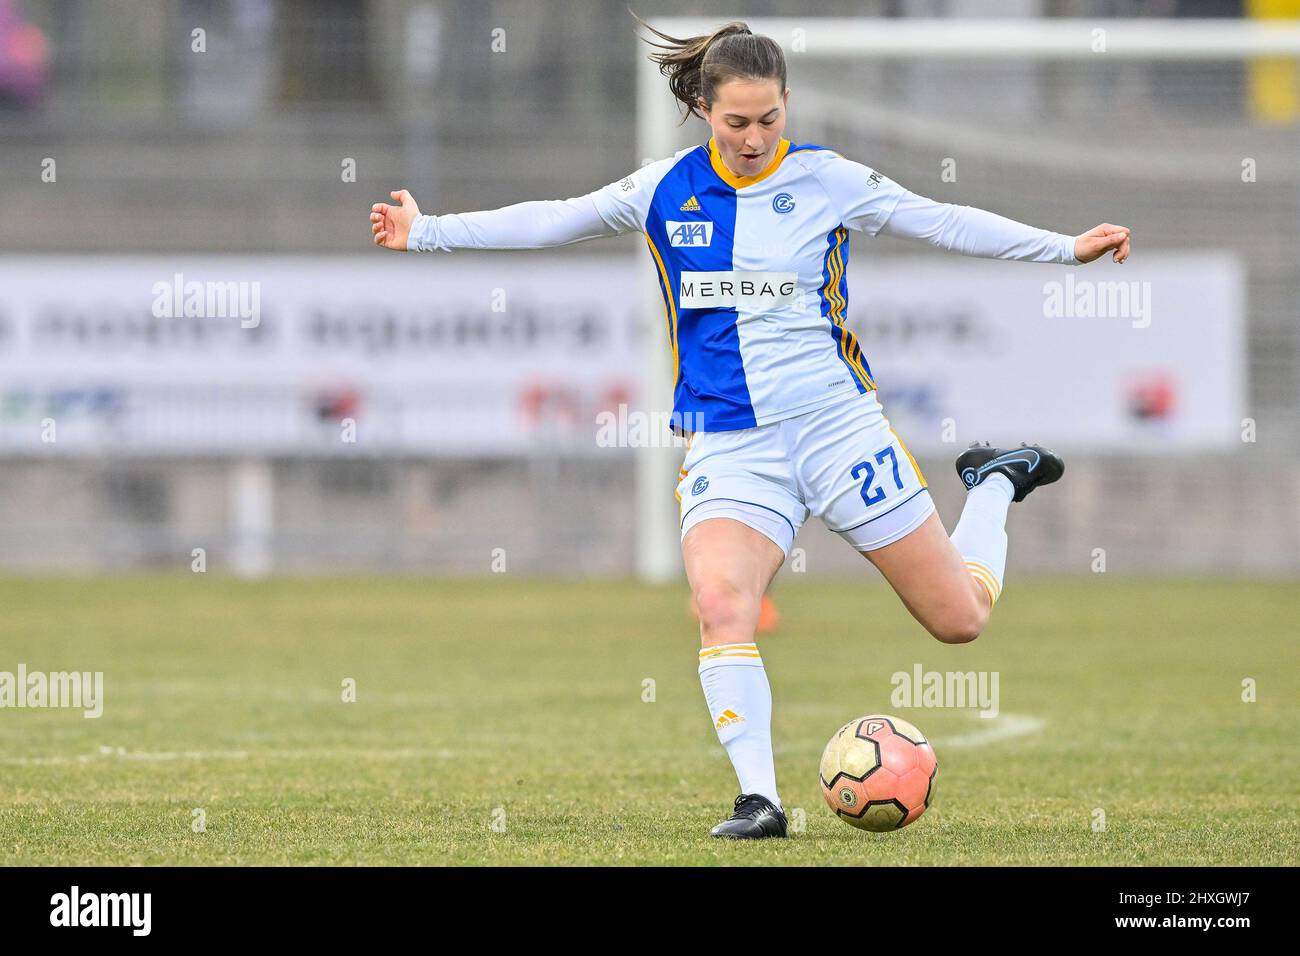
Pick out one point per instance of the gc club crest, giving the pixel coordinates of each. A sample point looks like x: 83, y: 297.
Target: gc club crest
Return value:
x: 782, y: 202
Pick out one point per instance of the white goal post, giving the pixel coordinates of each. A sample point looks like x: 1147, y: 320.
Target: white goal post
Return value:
x: 844, y: 38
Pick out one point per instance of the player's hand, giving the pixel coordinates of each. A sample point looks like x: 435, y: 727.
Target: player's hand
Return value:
x: 391, y: 225
x: 1094, y: 243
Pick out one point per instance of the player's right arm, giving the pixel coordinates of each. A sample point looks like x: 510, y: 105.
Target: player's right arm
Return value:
x: 617, y: 208
x: 525, y: 225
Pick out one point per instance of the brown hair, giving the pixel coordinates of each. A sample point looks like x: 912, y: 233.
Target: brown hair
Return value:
x: 696, y: 66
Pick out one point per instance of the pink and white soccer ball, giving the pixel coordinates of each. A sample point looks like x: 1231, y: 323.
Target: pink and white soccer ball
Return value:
x: 878, y: 773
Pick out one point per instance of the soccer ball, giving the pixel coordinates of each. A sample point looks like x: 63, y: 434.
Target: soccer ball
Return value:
x: 878, y: 773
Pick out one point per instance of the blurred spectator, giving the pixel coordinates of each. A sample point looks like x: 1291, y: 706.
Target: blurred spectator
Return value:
x: 24, y: 59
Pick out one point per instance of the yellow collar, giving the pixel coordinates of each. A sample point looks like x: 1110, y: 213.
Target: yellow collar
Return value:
x: 739, y: 182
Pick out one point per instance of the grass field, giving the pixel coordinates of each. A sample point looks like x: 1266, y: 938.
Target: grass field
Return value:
x: 519, y: 704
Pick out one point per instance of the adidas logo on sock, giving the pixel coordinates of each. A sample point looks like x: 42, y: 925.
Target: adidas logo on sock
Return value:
x: 727, y: 718
x: 691, y: 205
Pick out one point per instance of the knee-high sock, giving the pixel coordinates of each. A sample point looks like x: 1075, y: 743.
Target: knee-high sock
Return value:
x: 740, y: 703
x: 980, y: 536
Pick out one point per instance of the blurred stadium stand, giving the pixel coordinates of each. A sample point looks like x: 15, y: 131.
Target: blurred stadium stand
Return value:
x: 239, y: 153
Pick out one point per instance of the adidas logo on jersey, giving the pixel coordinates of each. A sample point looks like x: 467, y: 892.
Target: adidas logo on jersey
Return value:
x: 727, y: 718
x: 691, y: 205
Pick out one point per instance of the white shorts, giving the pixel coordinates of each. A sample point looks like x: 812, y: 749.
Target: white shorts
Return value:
x: 842, y: 463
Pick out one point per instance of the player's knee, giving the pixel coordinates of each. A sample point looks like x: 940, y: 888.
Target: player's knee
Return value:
x: 960, y: 626
x: 722, y: 607
x: 957, y: 632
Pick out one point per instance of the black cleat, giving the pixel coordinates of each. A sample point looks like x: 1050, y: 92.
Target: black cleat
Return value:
x: 1025, y: 467
x: 755, y: 817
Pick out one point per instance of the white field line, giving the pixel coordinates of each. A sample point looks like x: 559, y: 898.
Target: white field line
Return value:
x: 997, y: 729
x: 993, y: 730
x: 1000, y: 728
x: 104, y: 754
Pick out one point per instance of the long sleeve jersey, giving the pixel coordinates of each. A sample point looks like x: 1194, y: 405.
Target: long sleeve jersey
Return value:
x: 751, y: 269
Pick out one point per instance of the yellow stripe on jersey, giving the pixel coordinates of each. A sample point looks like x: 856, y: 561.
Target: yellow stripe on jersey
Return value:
x: 853, y: 355
x: 670, y: 308
x: 839, y: 307
x: 847, y: 347
x: 919, y: 474
x: 832, y: 292
x: 850, y: 340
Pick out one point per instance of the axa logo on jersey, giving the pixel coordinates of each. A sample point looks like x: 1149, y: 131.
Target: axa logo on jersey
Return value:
x: 741, y: 290
x: 690, y: 233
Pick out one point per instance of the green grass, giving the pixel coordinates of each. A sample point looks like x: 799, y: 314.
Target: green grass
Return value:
x: 527, y: 696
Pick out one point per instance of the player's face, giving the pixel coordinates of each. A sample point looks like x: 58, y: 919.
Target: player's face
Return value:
x: 748, y: 118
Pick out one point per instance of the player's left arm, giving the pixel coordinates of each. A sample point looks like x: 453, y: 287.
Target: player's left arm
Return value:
x: 978, y: 232
x: 876, y: 205
x: 1094, y: 243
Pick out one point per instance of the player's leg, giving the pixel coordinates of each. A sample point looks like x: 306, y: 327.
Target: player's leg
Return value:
x: 950, y: 584
x: 865, y: 485
x: 859, y: 477
x: 930, y: 575
x: 740, y: 513
x: 729, y: 565
x: 769, y: 618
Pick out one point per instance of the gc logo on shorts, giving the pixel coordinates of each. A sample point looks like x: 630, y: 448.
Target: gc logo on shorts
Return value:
x: 842, y: 462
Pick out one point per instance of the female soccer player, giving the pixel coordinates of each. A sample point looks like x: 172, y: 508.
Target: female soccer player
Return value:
x: 750, y: 235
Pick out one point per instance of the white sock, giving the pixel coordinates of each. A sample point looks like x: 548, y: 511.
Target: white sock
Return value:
x: 980, y: 535
x: 740, y: 703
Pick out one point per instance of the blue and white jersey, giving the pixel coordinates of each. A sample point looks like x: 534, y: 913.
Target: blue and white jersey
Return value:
x: 752, y: 271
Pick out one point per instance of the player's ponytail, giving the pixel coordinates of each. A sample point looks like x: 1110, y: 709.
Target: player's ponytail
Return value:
x: 697, y: 65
